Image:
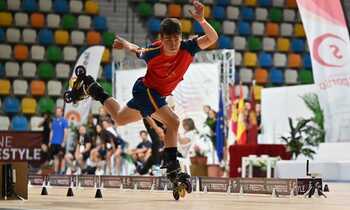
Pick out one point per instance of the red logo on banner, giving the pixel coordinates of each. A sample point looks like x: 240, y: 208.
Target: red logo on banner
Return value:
x: 328, y: 50
x: 73, y: 116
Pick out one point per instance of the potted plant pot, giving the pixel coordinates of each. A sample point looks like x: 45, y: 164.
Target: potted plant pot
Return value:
x: 214, y: 170
x: 199, y: 166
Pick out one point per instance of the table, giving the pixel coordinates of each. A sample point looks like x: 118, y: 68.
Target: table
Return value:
x: 248, y: 161
x: 236, y: 153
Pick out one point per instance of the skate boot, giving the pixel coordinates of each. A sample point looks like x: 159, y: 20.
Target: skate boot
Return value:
x: 83, y: 87
x: 76, y: 92
x: 180, y: 180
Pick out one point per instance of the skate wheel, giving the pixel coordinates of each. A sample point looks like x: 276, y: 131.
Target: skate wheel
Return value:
x: 80, y: 71
x: 176, y: 195
x: 182, y: 192
x: 68, y: 96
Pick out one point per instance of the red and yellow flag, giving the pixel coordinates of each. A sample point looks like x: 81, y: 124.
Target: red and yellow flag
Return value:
x: 252, y: 119
x: 241, y: 136
x: 233, y: 109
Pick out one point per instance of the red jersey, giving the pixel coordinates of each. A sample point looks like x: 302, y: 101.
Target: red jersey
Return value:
x: 165, y: 72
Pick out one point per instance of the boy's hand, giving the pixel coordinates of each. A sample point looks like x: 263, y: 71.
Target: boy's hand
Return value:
x: 198, y: 13
x: 119, y: 42
x: 160, y: 133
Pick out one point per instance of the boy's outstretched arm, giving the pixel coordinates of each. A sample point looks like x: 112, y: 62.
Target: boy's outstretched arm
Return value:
x: 210, y: 36
x: 119, y: 41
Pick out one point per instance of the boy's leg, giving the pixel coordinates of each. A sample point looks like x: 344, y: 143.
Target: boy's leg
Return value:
x: 121, y: 116
x: 171, y: 121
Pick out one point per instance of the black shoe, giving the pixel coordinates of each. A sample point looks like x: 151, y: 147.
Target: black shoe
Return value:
x: 77, y: 92
x: 181, y: 181
x: 94, y: 89
x: 91, y: 87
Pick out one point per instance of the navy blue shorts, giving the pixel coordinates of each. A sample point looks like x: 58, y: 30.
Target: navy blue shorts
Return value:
x: 145, y: 100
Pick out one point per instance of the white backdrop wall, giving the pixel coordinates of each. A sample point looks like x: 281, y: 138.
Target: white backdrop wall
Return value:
x: 329, y: 43
x: 200, y: 87
x: 277, y: 104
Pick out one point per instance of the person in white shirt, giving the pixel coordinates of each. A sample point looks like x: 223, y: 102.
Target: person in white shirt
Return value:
x: 189, y: 136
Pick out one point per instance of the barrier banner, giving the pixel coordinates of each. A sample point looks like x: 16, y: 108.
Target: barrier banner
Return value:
x: 304, y: 184
x: 112, y: 181
x: 214, y: 184
x: 208, y: 184
x: 139, y: 182
x: 87, y: 181
x: 58, y: 180
x: 328, y: 39
x: 263, y: 185
x: 36, y: 179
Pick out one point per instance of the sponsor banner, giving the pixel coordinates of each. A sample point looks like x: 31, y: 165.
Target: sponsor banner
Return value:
x: 214, y: 184
x: 263, y: 185
x: 304, y: 184
x: 112, y: 181
x: 141, y: 182
x: 328, y: 39
x: 20, y: 146
x: 87, y: 181
x: 58, y: 180
x: 161, y: 182
x: 90, y: 59
x: 249, y: 185
x: 35, y: 179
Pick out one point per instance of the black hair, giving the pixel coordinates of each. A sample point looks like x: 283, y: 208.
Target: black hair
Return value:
x: 143, y: 131
x: 170, y: 26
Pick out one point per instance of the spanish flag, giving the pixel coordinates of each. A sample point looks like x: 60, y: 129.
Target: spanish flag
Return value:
x: 233, y: 109
x: 241, y: 136
x: 252, y: 134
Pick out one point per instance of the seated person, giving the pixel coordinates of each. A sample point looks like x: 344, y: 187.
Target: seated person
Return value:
x: 95, y: 164
x: 143, y: 150
x: 83, y: 148
x: 114, y: 146
x: 78, y: 152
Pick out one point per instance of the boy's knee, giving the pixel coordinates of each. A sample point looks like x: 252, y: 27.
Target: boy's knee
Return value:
x: 119, y: 121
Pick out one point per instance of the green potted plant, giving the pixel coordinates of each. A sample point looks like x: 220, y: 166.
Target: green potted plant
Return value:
x: 307, y: 133
x: 314, y: 132
x: 295, y: 141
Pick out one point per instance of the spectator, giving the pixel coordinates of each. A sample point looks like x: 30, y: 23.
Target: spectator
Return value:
x: 155, y: 130
x: 211, y: 122
x: 95, y: 164
x: 83, y: 148
x: 258, y: 117
x: 204, y: 146
x: 206, y: 109
x: 45, y: 124
x: 190, y: 135
x: 143, y: 150
x: 114, y: 146
x: 102, y: 115
x: 58, y: 138
x: 91, y: 126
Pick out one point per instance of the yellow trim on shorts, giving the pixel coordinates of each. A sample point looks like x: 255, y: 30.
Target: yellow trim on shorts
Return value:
x: 153, y: 102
